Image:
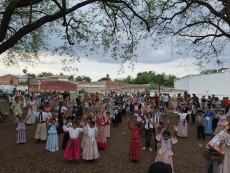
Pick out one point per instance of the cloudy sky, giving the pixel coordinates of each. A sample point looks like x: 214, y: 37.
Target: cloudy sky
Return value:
x: 96, y: 66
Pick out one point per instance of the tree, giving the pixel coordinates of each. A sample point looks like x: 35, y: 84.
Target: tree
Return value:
x: 45, y: 74
x: 106, y: 78
x: 83, y: 78
x: 198, y: 28
x: 27, y: 25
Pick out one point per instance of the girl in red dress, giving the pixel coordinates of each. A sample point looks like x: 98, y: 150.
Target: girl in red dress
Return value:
x: 101, y: 138
x: 135, y: 147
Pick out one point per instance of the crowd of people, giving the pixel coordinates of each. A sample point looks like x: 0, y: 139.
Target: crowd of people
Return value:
x: 92, y: 115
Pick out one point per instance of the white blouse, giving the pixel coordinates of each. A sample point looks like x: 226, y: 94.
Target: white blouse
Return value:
x: 73, y: 133
x: 92, y: 132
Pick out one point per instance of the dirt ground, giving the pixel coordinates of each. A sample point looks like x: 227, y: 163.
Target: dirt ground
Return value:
x: 32, y: 157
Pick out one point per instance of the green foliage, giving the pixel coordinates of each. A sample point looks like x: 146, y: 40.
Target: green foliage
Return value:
x: 45, y: 74
x: 83, y: 78
x: 127, y: 80
x: 153, y: 86
x: 106, y: 78
x: 23, y: 82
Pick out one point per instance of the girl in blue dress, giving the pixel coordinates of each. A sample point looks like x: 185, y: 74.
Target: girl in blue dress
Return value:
x: 52, y: 141
x: 208, y: 121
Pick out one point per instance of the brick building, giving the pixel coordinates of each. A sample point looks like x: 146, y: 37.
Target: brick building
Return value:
x: 9, y: 80
x: 52, y: 85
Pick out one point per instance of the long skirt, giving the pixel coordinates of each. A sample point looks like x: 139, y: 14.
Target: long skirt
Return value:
x: 31, y: 119
x: 182, y: 129
x: 166, y: 158
x: 41, y: 131
x: 207, y: 125
x: 73, y: 153
x: 65, y: 140
x: 21, y: 137
x: 135, y: 151
x: 90, y: 150
x: 85, y: 136
x: 101, y: 138
x: 218, y: 129
x: 107, y: 131
x: 52, y: 142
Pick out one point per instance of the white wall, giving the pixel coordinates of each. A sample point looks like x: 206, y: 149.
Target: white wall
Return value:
x: 11, y: 87
x: 208, y: 84
x: 182, y: 83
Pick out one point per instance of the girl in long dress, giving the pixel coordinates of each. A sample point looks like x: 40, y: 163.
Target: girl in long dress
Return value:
x: 225, y: 144
x: 182, y: 125
x: 222, y: 119
x: 135, y: 147
x: 208, y: 121
x: 21, y: 128
x: 90, y: 149
x: 52, y: 141
x: 85, y: 135
x: 165, y: 153
x: 101, y: 138
x: 170, y: 104
x: 32, y: 106
x: 72, y: 151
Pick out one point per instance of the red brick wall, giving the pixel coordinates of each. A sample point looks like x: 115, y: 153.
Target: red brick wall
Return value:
x: 109, y: 83
x: 5, y: 80
x: 54, y: 86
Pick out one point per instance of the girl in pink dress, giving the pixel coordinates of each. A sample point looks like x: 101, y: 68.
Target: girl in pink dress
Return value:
x: 165, y: 152
x: 135, y: 147
x: 170, y: 104
x: 101, y: 138
x: 72, y: 151
x: 222, y: 119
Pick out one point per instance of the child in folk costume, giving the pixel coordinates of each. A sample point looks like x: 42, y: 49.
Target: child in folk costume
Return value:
x: 90, y: 149
x: 135, y: 147
x: 21, y: 128
x: 215, y: 142
x: 52, y: 141
x: 66, y: 134
x: 214, y: 159
x: 200, y: 124
x: 165, y: 153
x: 72, y: 151
x: 41, y: 131
x: 101, y: 138
x: 208, y: 121
x: 222, y: 119
x: 16, y: 107
x: 182, y: 125
x: 160, y: 127
x: 107, y: 128
x: 225, y: 145
x: 85, y: 135
x: 140, y: 117
x: 116, y: 117
x: 32, y: 106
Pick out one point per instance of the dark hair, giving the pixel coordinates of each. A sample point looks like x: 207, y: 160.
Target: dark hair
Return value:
x: 160, y: 167
x: 41, y: 108
x: 166, y: 133
x: 228, y: 130
x: 53, y: 119
x: 92, y: 123
x: 89, y: 118
x: 95, y: 111
x: 161, y: 123
x: 74, y: 122
x: 108, y: 112
x: 138, y: 125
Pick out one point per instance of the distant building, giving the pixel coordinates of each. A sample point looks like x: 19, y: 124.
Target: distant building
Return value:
x: 60, y: 77
x: 9, y: 80
x: 52, y: 85
x: 206, y: 84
